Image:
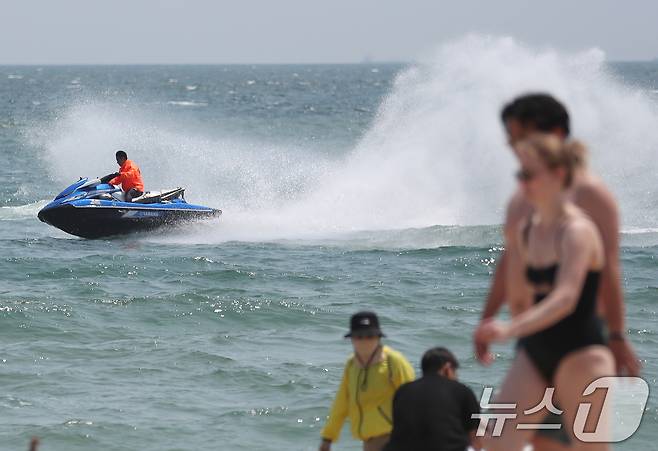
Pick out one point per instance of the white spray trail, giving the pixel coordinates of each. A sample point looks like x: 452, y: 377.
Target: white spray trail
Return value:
x: 434, y: 155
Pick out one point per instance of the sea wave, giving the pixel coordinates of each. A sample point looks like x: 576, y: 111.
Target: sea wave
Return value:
x: 186, y: 103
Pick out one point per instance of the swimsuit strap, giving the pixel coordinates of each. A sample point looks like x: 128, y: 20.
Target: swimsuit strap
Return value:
x: 557, y: 240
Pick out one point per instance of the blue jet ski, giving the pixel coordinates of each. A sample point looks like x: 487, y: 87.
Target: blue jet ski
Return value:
x: 91, y: 208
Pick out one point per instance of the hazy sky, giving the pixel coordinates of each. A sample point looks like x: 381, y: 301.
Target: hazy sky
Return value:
x: 308, y: 31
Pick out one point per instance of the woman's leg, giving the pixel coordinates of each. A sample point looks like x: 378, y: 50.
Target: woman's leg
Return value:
x: 575, y: 372
x: 525, y: 388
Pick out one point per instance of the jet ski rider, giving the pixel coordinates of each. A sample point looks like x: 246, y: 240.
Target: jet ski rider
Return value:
x: 129, y: 177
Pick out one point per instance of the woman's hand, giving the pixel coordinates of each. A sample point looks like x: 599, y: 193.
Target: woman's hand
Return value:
x: 482, y: 352
x: 492, y: 331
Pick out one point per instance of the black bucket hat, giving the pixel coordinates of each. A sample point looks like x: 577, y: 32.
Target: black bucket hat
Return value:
x: 364, y: 324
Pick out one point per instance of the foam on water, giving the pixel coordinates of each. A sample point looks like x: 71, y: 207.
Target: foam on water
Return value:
x: 21, y: 211
x: 186, y: 103
x: 434, y: 155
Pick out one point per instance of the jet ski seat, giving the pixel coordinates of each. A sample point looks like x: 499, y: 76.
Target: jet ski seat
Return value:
x: 156, y: 197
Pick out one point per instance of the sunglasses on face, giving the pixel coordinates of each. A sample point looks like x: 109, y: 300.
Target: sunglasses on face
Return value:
x: 525, y: 175
x: 364, y: 337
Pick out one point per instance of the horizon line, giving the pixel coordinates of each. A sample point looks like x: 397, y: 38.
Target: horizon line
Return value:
x: 326, y: 63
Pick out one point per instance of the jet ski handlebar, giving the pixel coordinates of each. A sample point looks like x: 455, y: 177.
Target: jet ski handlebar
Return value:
x: 108, y: 177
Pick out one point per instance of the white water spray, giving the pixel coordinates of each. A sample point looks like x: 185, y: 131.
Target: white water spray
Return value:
x: 434, y: 155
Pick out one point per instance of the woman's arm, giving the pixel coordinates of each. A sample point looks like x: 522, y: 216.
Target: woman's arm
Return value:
x: 576, y: 255
x: 504, y: 278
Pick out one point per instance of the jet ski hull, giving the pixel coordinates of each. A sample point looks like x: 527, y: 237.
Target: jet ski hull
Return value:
x: 99, y: 222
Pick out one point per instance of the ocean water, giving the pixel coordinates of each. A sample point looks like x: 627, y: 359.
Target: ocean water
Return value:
x: 344, y: 187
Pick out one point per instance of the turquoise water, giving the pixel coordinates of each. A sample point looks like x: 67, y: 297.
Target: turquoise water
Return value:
x: 343, y: 188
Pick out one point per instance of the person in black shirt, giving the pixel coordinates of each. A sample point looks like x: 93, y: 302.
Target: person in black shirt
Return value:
x: 434, y: 413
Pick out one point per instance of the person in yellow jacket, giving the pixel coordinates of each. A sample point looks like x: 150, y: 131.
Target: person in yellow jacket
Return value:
x: 365, y: 396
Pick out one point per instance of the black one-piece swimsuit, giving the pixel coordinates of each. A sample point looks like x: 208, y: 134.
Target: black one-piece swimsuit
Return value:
x: 579, y: 329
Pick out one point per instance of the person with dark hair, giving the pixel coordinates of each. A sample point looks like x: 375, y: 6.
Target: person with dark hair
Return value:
x: 435, y: 412
x: 371, y: 376
x: 535, y: 112
x: 129, y: 177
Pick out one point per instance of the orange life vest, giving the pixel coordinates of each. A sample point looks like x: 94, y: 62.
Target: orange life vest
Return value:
x: 129, y: 177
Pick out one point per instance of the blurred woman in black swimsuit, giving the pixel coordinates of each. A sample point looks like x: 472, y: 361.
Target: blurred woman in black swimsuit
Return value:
x: 555, y: 276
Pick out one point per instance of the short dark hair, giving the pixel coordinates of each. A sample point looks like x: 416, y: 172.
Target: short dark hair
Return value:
x: 121, y: 154
x: 541, y: 110
x: 434, y: 359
